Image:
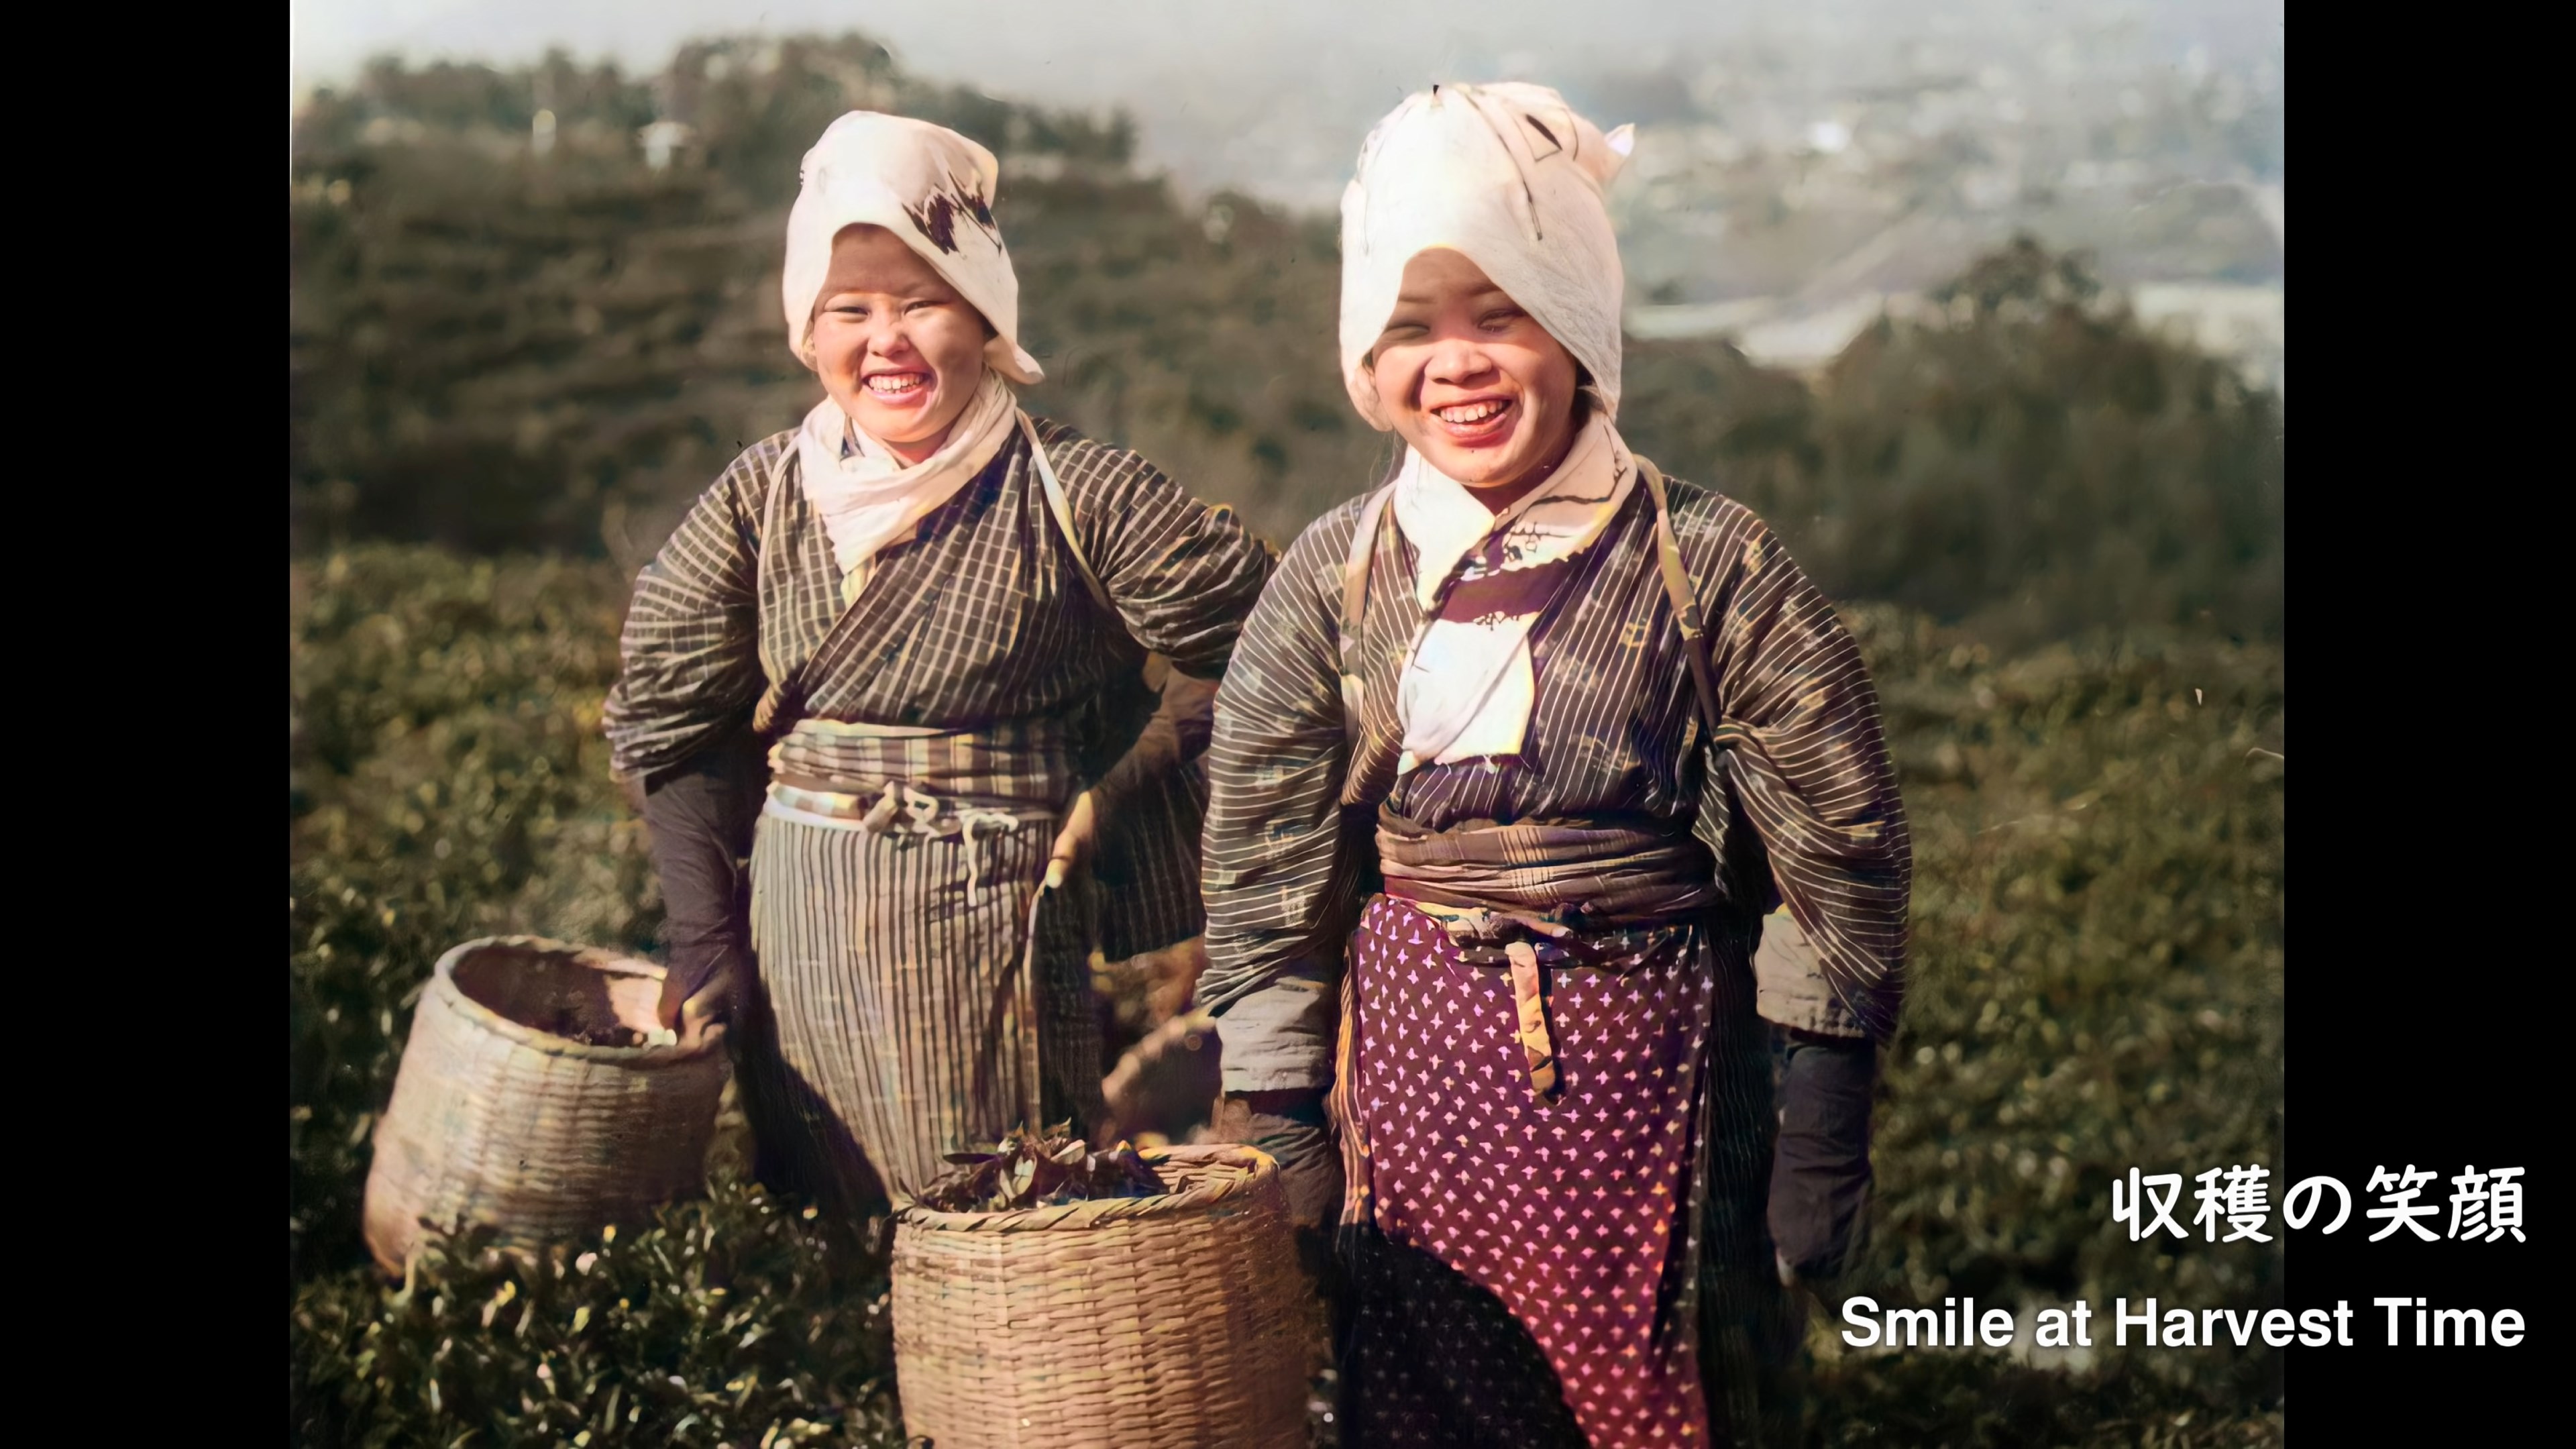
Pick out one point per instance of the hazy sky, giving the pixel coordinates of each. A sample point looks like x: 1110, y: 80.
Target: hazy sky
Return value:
x: 1224, y: 92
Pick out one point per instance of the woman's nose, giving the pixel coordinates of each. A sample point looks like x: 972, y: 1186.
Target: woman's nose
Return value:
x: 1458, y: 360
x: 889, y: 339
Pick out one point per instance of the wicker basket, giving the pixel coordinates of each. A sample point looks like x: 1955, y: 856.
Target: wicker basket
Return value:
x: 501, y: 1117
x: 1180, y: 1320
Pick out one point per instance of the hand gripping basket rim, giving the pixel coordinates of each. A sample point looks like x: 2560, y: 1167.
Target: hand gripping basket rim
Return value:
x: 649, y: 1058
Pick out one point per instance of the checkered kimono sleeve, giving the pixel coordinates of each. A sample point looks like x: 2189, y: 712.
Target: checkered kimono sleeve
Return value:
x: 690, y: 651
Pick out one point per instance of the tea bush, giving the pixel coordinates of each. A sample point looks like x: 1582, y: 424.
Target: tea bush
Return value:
x: 736, y: 1320
x: 446, y: 779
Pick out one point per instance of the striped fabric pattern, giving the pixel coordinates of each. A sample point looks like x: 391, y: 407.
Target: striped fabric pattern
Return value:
x: 983, y: 619
x: 892, y: 993
x: 1809, y: 803
x: 1022, y: 762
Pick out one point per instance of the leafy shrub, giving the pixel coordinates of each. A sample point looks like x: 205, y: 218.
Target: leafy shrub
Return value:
x: 2100, y: 981
x: 446, y: 780
x: 736, y: 1320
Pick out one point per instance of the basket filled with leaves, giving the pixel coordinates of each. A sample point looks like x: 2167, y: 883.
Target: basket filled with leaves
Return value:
x: 1048, y: 1294
x: 538, y: 1095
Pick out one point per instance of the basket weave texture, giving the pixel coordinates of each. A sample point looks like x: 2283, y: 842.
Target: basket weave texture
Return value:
x: 1157, y: 1322
x: 498, y: 1117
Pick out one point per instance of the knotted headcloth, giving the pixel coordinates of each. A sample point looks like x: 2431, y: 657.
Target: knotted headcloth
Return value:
x: 927, y: 185
x: 1509, y: 176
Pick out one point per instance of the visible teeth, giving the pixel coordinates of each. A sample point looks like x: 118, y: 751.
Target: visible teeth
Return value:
x: 1470, y: 412
x: 891, y: 382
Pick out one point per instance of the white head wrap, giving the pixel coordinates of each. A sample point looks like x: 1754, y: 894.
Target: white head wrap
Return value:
x: 1509, y: 176
x: 927, y: 185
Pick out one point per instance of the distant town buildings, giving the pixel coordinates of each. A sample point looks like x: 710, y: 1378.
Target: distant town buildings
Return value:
x: 663, y: 140
x: 1786, y: 196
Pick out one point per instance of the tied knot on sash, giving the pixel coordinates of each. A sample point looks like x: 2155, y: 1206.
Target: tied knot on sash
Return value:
x: 1540, y: 885
x: 970, y: 785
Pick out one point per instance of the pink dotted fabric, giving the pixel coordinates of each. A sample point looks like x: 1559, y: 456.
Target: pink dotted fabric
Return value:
x: 1528, y: 1285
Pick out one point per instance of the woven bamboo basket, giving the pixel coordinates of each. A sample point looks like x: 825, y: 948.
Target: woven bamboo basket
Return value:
x: 502, y: 1116
x: 1146, y: 1323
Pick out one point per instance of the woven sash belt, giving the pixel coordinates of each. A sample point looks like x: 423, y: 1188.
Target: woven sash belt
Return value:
x: 1513, y: 890
x: 909, y: 780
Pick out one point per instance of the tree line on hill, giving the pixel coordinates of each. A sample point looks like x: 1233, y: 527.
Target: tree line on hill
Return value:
x: 506, y: 337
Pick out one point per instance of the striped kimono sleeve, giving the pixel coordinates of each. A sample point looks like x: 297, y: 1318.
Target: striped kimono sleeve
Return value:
x: 689, y: 656
x: 1813, y: 777
x: 1182, y: 574
x: 1274, y: 830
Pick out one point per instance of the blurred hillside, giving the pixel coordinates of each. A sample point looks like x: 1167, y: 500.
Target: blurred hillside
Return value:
x: 538, y: 308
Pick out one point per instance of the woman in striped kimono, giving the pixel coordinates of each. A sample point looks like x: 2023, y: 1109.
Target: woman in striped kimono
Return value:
x: 1495, y: 824
x: 933, y: 616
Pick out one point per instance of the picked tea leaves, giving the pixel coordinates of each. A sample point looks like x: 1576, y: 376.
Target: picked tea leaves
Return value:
x: 1039, y: 1169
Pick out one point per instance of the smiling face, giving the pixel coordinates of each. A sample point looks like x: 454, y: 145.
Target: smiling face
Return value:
x: 1474, y: 383
x: 895, y: 345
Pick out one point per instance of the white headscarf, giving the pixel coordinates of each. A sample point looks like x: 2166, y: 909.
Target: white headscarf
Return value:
x: 935, y: 189
x: 1509, y: 176
x: 927, y: 185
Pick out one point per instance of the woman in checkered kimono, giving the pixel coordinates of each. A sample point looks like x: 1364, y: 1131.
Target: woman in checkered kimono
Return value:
x: 1495, y: 823
x: 897, y: 657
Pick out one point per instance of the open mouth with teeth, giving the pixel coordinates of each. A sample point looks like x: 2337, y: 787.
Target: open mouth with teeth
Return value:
x: 1478, y: 420
x: 898, y: 387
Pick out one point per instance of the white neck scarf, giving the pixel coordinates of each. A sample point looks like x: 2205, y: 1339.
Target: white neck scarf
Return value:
x: 1469, y: 688
x: 869, y: 498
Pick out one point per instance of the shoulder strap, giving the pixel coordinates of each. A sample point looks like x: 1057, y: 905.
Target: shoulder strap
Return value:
x: 1063, y: 511
x: 1677, y: 588
x: 1355, y: 583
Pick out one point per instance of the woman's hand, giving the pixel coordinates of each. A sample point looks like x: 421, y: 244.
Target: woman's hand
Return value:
x: 1292, y: 1128
x: 1074, y: 843
x: 691, y: 1017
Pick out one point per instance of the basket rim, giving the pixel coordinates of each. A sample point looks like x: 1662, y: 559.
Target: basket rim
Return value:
x: 443, y: 982
x: 1257, y: 1167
